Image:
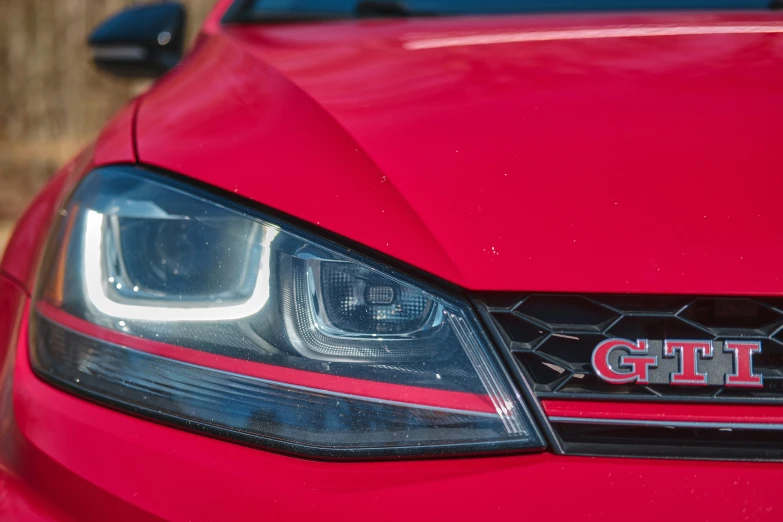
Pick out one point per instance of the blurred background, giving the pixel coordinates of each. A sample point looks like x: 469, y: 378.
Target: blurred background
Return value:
x: 52, y: 101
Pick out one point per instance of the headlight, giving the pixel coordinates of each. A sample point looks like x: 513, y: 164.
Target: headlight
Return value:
x: 160, y: 299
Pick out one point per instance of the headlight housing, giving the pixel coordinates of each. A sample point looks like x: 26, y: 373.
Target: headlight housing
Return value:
x: 161, y: 299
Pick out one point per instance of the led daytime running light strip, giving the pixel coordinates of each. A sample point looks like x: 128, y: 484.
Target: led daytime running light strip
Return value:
x: 94, y: 276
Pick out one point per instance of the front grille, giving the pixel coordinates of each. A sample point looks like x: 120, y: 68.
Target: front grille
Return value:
x: 551, y: 338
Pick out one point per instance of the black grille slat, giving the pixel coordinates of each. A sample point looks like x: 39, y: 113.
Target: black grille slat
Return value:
x: 669, y: 442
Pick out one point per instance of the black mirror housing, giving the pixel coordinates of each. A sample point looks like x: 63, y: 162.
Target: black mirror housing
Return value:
x: 140, y: 41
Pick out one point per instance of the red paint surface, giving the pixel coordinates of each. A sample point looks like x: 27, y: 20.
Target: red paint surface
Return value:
x: 520, y: 166
x: 740, y: 413
x: 320, y: 381
x: 19, y: 503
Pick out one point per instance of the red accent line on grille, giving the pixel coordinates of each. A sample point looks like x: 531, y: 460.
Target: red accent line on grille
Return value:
x: 656, y: 411
x: 413, y: 395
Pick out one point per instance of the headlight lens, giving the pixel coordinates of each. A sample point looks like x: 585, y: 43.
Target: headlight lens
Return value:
x: 161, y: 299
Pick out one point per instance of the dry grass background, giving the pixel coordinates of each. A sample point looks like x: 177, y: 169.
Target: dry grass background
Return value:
x: 52, y: 101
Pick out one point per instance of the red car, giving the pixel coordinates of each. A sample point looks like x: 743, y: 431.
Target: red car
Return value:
x: 376, y: 262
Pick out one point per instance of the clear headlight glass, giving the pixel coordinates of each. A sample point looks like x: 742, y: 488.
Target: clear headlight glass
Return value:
x: 169, y: 302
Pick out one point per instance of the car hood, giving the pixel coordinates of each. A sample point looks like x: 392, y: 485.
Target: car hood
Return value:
x: 601, y: 153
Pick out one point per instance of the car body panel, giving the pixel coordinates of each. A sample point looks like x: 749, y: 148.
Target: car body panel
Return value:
x: 534, y: 165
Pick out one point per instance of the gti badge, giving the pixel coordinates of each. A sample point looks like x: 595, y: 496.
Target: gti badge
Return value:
x: 682, y: 363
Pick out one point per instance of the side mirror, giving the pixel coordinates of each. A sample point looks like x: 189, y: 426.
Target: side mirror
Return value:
x: 140, y: 41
